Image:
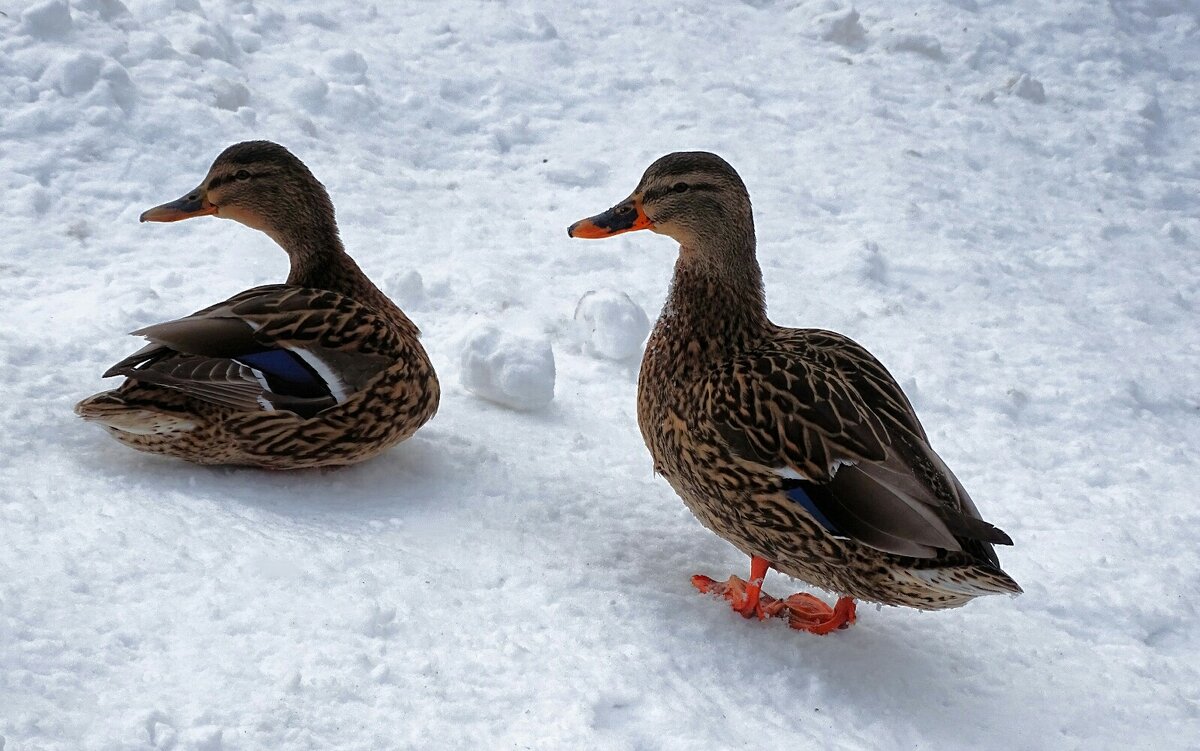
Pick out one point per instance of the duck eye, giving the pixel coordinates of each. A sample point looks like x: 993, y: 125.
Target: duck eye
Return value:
x: 242, y: 175
x: 679, y: 188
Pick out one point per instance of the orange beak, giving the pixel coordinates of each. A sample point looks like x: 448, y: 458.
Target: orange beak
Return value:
x: 193, y: 204
x: 626, y: 216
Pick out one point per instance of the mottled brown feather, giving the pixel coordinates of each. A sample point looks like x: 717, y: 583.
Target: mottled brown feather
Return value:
x: 730, y: 404
x: 183, y: 397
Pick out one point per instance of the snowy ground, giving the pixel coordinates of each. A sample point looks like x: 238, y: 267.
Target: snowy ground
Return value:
x: 1000, y: 199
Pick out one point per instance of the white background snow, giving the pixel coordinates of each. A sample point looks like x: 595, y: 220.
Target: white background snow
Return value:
x: 1000, y: 199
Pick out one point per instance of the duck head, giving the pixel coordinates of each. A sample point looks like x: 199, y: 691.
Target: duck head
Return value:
x: 260, y: 184
x: 687, y: 195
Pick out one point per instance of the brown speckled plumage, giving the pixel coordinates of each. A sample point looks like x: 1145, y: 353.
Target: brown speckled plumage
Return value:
x: 189, y: 395
x: 742, y: 416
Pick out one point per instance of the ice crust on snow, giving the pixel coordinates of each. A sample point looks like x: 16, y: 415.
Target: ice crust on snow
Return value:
x: 519, y: 578
x: 511, y: 369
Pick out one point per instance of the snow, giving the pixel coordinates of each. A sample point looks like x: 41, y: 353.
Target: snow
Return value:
x: 999, y: 199
x: 610, y: 325
x: 507, y: 368
x: 47, y: 19
x: 1027, y: 88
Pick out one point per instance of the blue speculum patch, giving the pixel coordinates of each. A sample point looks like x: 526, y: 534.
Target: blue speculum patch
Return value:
x: 282, y: 364
x: 799, y: 495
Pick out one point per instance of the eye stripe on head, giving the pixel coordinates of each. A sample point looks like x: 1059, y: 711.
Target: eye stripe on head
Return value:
x: 256, y: 158
x: 656, y: 193
x: 692, y: 167
x: 239, y: 175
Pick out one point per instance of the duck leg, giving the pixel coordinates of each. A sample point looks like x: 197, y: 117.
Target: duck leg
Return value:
x: 745, y: 596
x: 803, y: 611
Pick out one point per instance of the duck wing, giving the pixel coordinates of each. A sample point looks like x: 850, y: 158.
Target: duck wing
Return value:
x: 824, y: 415
x: 266, y: 349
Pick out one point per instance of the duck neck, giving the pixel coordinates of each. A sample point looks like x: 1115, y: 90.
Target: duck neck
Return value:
x: 319, y: 260
x: 716, y: 298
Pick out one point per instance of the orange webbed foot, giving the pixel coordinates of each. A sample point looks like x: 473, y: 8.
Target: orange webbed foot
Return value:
x: 746, y: 599
x: 803, y: 611
x: 807, y: 613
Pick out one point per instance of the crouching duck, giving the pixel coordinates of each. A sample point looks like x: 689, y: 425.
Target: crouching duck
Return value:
x: 321, y: 371
x: 795, y: 445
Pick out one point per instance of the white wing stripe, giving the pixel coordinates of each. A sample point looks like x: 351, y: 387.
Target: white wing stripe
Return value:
x: 336, y: 387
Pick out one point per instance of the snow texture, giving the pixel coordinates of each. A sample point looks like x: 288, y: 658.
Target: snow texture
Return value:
x: 1001, y: 200
x: 611, y: 325
x: 509, y: 369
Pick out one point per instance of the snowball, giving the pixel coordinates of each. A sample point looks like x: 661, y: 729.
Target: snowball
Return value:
x: 610, y: 324
x: 507, y: 368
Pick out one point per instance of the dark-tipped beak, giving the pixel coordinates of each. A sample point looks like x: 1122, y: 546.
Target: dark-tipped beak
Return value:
x: 626, y: 216
x: 193, y: 204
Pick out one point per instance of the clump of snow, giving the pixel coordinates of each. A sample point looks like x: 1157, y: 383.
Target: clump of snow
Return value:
x: 920, y: 44
x: 78, y: 73
x: 230, y: 95
x: 1175, y: 232
x: 1026, y: 87
x: 542, y: 28
x: 47, y: 19
x: 511, y: 369
x: 346, y: 65
x: 874, y: 265
x: 406, y: 288
x: 161, y: 734
x: 1150, y: 108
x: 838, y: 24
x: 610, y: 324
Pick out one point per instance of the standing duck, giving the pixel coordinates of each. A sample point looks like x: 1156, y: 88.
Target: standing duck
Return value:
x: 795, y: 445
x: 321, y: 371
